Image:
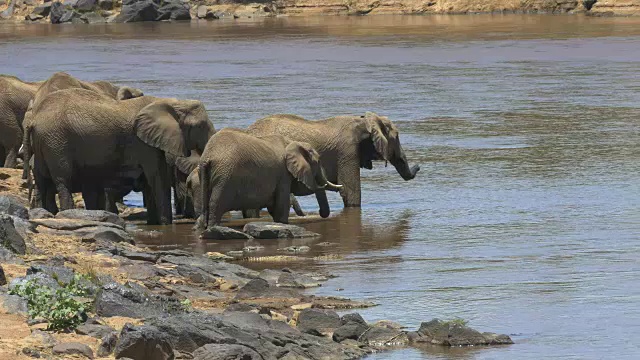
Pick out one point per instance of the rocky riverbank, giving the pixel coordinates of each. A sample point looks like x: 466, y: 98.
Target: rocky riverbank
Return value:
x: 75, y: 284
x: 103, y: 11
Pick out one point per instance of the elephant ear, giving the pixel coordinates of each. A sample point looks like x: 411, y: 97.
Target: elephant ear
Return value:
x: 125, y: 93
x: 375, y: 129
x: 297, y: 159
x: 157, y: 125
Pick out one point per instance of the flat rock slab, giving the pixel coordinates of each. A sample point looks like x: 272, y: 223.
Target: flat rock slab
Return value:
x: 143, y: 343
x: 450, y: 333
x: 223, y: 233
x: 225, y: 351
x: 94, y: 330
x: 73, y: 348
x: 272, y: 230
x: 72, y: 224
x: 39, y: 213
x: 92, y: 215
x: 318, y: 322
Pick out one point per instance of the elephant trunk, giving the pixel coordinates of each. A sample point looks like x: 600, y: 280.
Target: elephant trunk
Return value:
x: 402, y: 166
x: 323, y: 203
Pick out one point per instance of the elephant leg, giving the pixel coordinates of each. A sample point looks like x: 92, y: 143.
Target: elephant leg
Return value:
x: 64, y: 193
x: 251, y: 213
x: 111, y: 199
x: 279, y: 211
x: 159, y: 189
x: 321, y: 196
x: 3, y: 155
x: 45, y: 196
x: 296, y: 205
x: 178, y: 202
x: 189, y: 208
x: 90, y: 198
x: 11, y: 159
x: 349, y: 178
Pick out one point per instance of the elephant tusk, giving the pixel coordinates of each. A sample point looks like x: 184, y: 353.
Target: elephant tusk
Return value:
x: 331, y: 186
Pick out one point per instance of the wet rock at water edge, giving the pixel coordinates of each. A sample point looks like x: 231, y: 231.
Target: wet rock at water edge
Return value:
x: 382, y: 337
x: 91, y: 215
x: 453, y: 333
x: 351, y: 330
x: 296, y: 281
x: 11, y: 206
x: 135, y: 11
x: 223, y: 233
x: 225, y: 351
x: 40, y: 213
x: 260, y: 288
x: 93, y: 18
x: 174, y: 10
x: 353, y: 317
x: 143, y: 343
x: 73, y: 348
x: 204, y: 13
x: 86, y: 5
x: 9, y: 236
x: 272, y: 230
x: 318, y: 322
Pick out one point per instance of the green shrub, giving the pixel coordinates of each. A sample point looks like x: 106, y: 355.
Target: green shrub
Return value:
x: 60, y: 308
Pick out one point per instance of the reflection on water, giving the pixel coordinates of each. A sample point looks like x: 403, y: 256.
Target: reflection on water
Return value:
x: 524, y: 218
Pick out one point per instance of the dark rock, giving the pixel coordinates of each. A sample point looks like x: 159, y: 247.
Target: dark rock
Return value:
x: 40, y: 213
x: 232, y: 273
x: 260, y: 288
x: 134, y: 11
x: 105, y: 4
x: 13, y: 304
x: 225, y: 351
x: 296, y: 281
x: 94, y: 330
x: 353, y: 317
x: 86, y: 5
x: 107, y: 344
x: 136, y: 255
x: 93, y: 18
x: 450, y: 333
x: 42, y: 279
x: 133, y: 300
x: 91, y: 215
x: 318, y: 322
x: 57, y: 12
x: 104, y: 234
x: 8, y: 257
x: 3, y: 278
x: 174, y: 10
x: 239, y: 307
x: 73, y: 348
x: 142, y: 343
x: 61, y: 274
x: 204, y: 13
x: 381, y: 336
x: 223, y: 233
x: 33, y: 17
x: 31, y: 352
x: 11, y: 206
x: 40, y: 12
x: 9, y: 237
x: 23, y: 227
x: 351, y: 330
x: 70, y: 3
x: 272, y: 230
x: 42, y: 337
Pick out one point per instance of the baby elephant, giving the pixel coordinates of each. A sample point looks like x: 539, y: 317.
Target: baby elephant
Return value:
x: 239, y: 171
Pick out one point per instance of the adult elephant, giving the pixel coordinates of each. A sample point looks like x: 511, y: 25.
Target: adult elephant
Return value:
x: 240, y: 171
x: 345, y: 144
x: 61, y: 81
x: 15, y: 95
x: 83, y: 137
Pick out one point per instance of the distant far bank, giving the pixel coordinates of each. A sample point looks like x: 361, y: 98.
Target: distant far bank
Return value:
x: 105, y: 11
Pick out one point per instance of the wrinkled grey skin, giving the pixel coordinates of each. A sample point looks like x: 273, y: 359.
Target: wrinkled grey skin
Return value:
x: 61, y: 81
x: 239, y: 171
x: 125, y: 136
x: 15, y: 95
x: 345, y: 144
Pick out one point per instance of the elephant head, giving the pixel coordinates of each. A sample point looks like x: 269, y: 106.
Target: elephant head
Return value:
x: 126, y: 92
x: 174, y: 126
x: 380, y: 141
x: 303, y: 162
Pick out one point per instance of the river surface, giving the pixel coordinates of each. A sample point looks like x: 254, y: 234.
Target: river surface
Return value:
x: 525, y: 218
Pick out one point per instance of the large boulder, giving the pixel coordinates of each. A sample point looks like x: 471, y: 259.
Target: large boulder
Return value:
x: 133, y: 300
x: 9, y: 236
x: 91, y: 215
x: 107, y: 344
x: 135, y: 11
x: 203, y: 12
x: 22, y: 226
x: 94, y: 330
x: 225, y: 351
x: 73, y: 348
x: 223, y: 233
x: 40, y: 12
x: 272, y: 230
x: 11, y: 206
x: 379, y: 336
x: 8, y: 257
x: 318, y: 322
x: 42, y: 279
x: 106, y: 4
x: 351, y: 330
x: 13, y: 304
x: 61, y: 13
x: 453, y: 333
x: 174, y: 10
x: 143, y: 343
x: 86, y: 5
x: 40, y: 213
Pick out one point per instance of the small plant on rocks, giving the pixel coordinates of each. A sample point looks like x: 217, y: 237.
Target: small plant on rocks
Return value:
x: 60, y: 308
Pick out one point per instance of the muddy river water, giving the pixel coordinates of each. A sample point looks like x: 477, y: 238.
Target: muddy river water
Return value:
x: 525, y: 218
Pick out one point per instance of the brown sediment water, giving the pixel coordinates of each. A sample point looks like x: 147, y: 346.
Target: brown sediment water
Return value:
x: 524, y: 218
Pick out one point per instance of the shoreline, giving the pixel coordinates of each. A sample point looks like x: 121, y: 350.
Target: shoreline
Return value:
x: 107, y: 11
x: 121, y: 298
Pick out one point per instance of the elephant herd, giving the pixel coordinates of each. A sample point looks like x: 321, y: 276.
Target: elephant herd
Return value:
x: 105, y: 141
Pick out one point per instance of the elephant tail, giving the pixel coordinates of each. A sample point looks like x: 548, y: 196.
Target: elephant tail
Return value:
x: 205, y: 183
x: 27, y: 160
